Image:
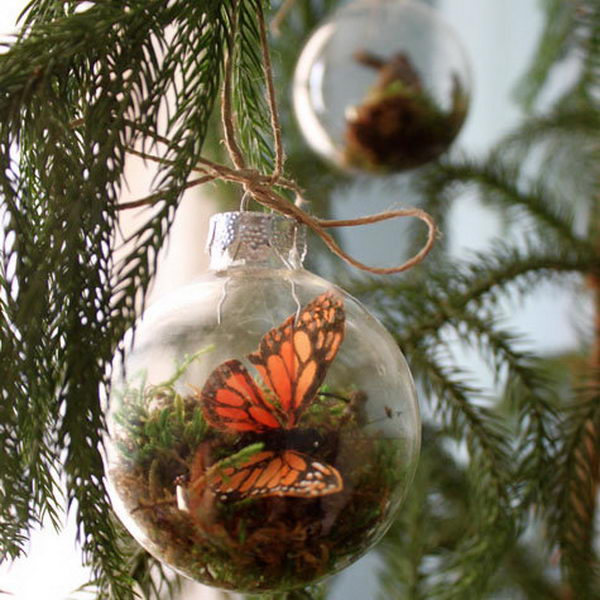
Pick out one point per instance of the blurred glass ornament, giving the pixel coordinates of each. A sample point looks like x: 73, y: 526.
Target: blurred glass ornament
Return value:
x: 382, y: 86
x: 263, y: 426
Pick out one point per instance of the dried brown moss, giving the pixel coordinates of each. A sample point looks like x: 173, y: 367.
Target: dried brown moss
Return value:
x: 399, y: 126
x: 256, y: 544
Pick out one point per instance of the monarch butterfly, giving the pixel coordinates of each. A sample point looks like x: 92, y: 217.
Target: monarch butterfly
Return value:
x: 292, y: 361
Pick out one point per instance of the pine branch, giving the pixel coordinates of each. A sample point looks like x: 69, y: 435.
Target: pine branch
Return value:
x: 578, y: 123
x: 451, y: 299
x: 310, y: 593
x: 249, y: 98
x: 17, y: 513
x: 525, y: 574
x: 423, y: 304
x: 502, y: 185
x: 533, y: 402
x: 572, y: 515
x: 556, y: 38
x: 108, y: 65
x: 572, y: 30
x: 467, y: 573
x: 29, y: 468
x: 478, y: 426
x: 152, y: 577
x: 45, y: 11
x: 588, y: 22
x: 423, y: 532
x: 557, y: 144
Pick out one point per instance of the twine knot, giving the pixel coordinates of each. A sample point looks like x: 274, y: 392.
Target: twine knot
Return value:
x: 264, y: 188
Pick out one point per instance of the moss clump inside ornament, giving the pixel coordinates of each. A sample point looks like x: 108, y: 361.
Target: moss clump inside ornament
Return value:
x: 277, y: 447
x: 399, y: 126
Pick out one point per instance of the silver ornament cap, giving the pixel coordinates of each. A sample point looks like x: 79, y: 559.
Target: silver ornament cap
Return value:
x: 253, y: 239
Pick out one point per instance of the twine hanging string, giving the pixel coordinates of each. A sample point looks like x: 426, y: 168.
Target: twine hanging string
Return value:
x: 263, y: 188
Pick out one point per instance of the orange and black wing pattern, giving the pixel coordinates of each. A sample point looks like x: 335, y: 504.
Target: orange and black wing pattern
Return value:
x: 269, y: 473
x: 231, y: 401
x: 293, y: 359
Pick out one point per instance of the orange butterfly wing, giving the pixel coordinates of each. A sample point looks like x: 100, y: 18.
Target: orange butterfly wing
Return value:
x: 293, y: 358
x: 231, y: 401
x: 269, y: 473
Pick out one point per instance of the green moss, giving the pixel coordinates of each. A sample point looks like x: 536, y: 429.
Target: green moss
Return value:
x: 168, y: 451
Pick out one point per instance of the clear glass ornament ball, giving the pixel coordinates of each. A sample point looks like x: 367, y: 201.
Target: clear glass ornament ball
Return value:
x: 263, y: 426
x: 382, y: 86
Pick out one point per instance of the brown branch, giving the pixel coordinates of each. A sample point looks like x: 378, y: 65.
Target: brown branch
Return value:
x: 150, y: 157
x: 155, y: 136
x: 584, y: 500
x: 158, y: 196
x: 226, y: 113
x: 268, y: 71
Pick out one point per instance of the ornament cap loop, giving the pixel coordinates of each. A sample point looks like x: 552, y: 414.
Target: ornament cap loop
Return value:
x: 253, y: 239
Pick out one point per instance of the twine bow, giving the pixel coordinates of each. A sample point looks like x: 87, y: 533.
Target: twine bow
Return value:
x: 263, y: 188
